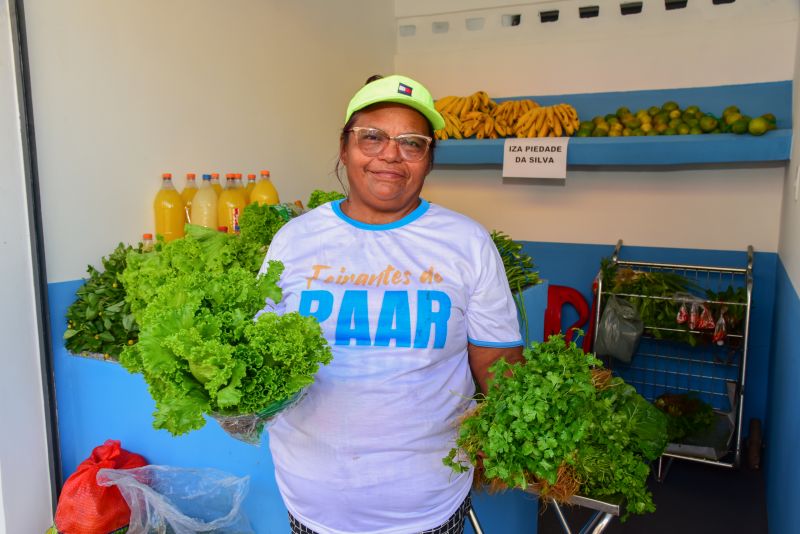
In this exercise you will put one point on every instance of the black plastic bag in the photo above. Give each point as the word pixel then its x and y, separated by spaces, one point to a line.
pixel 619 331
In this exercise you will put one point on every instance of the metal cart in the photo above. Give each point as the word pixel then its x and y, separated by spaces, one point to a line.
pixel 714 371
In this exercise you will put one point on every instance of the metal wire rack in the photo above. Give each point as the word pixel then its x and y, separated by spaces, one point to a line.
pixel 676 359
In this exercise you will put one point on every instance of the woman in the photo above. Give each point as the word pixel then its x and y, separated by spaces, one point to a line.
pixel 414 301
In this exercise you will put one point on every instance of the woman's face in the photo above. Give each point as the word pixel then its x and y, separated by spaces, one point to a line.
pixel 386 184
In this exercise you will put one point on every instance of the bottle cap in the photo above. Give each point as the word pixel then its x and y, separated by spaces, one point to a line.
pixel 166 176
pixel 147 236
pixel 206 177
pixel 222 229
pixel 239 176
pixel 264 173
pixel 214 175
pixel 228 176
pixel 191 176
pixel 251 176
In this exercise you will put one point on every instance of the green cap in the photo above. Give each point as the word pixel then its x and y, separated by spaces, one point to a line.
pixel 400 90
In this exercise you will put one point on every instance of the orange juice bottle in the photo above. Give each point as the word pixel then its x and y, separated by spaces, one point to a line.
pixel 188 193
pixel 215 183
pixel 230 205
pixel 264 192
pixel 204 204
pixel 169 210
pixel 251 183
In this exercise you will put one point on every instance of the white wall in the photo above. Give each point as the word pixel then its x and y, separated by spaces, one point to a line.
pixel 126 90
pixel 25 482
pixel 789 248
pixel 703 45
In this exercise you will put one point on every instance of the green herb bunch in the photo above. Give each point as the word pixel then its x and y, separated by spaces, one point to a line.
pixel 200 350
pixel 100 320
pixel 519 270
pixel 551 421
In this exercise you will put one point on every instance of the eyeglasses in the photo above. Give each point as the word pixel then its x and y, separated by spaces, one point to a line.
pixel 372 141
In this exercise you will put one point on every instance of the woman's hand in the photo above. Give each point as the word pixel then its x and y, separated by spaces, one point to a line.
pixel 481 358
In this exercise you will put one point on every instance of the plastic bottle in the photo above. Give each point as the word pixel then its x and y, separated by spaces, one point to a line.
pixel 215 183
pixel 188 193
pixel 147 242
pixel 251 183
pixel 204 204
pixel 169 210
pixel 264 192
pixel 231 203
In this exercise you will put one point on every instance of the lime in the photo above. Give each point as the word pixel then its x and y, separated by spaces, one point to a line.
pixel 707 123
pixel 674 123
pixel 675 114
pixel 670 131
pixel 638 132
pixel 693 122
pixel 615 133
pixel 730 118
pixel 626 132
pixel 610 116
pixel 623 111
pixel 598 119
pixel 632 123
pixel 584 133
pixel 652 132
pixel 715 131
pixel 699 115
pixel 616 127
pixel 769 117
pixel 695 130
pixel 646 127
pixel 661 118
pixel 612 119
pixel 686 116
pixel 661 128
pixel 683 129
pixel 729 110
pixel 600 132
pixel 587 125
pixel 646 119
pixel 758 126
pixel 653 111
pixel 692 109
pixel 739 126
pixel 669 106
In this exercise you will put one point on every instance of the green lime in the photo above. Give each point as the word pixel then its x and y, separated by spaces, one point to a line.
pixel 623 111
pixel 626 132
pixel 693 109
pixel 632 123
pixel 587 125
pixel 685 116
pixel 730 118
pixel 729 110
pixel 600 132
pixel 669 106
pixel 652 132
pixel 598 119
pixel 609 116
pixel 612 119
pixel 695 130
pixel 769 117
pixel 683 129
pixel 670 131
pixel 715 131
pixel 653 111
pixel 638 132
pixel 675 114
pixel 674 123
pixel 739 126
pixel 661 118
pixel 584 133
pixel 615 133
pixel 707 123
pixel 661 128
pixel 647 127
pixel 693 122
pixel 758 126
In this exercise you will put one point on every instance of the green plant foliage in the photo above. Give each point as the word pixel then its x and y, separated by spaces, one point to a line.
pixel 547 412
pixel 199 349
pixel 100 320
pixel 318 198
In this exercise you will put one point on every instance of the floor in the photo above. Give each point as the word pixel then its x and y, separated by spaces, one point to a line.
pixel 694 498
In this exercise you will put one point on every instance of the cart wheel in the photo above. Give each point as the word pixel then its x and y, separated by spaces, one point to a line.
pixel 754 444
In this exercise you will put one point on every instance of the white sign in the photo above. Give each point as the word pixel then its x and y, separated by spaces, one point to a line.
pixel 541 157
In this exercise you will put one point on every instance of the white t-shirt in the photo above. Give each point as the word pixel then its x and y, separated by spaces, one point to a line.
pixel 398 303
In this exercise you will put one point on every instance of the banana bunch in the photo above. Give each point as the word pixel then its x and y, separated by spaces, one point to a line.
pixel 507 113
pixel 551 121
pixel 458 110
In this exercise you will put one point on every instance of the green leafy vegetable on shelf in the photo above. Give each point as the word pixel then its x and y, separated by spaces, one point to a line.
pixel 686 415
pixel 100 320
pixel 259 223
pixel 319 197
pixel 559 423
pixel 199 348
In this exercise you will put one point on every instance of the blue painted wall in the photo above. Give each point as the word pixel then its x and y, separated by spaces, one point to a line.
pixel 783 435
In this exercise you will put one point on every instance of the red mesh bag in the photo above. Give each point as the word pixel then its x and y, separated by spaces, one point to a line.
pixel 84 507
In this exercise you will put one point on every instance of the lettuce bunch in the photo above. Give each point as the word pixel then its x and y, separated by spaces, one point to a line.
pixel 200 350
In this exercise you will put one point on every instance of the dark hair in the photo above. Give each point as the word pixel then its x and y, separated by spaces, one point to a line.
pixel 344 137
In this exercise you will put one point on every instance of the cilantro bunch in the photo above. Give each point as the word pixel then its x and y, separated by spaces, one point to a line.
pixel 549 422
pixel 199 349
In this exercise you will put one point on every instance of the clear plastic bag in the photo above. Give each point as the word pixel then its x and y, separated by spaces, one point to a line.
pixel 174 500
pixel 249 427
pixel 619 331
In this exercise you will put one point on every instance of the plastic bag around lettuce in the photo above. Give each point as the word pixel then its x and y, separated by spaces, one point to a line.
pixel 249 427
pixel 619 331
pixel 174 500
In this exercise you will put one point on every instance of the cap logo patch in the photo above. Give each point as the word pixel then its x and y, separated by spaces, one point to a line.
pixel 403 89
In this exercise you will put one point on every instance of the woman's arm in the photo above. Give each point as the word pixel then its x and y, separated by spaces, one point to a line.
pixel 481 358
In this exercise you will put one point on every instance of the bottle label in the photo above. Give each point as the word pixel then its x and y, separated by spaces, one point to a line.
pixel 236 220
